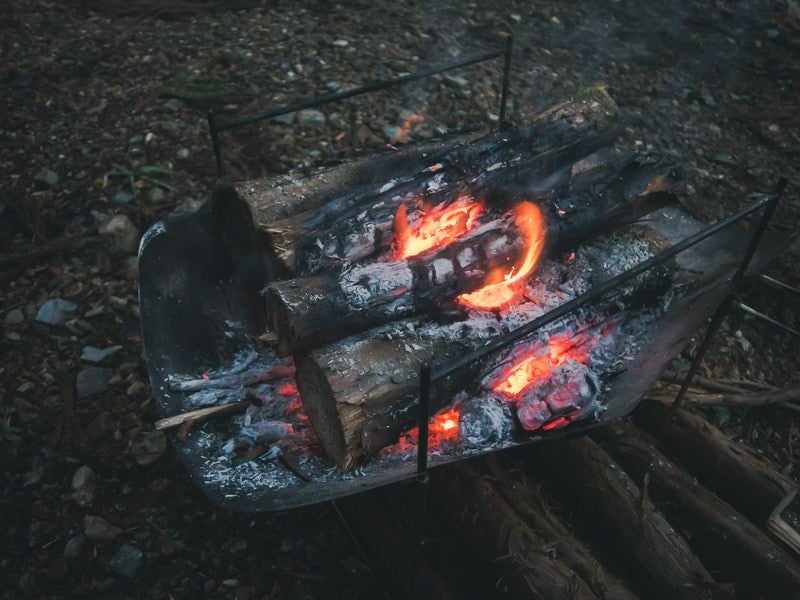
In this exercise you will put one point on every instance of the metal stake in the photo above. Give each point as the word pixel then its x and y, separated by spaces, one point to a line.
pixel 422 480
pixel 215 143
pixel 506 74
pixel 722 310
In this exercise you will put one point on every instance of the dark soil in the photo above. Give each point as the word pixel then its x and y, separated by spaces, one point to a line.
pixel 103 114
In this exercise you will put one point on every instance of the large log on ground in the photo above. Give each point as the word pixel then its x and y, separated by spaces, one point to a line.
pixel 727 467
pixel 510 479
pixel 767 566
pixel 311 311
pixel 485 521
pixel 594 487
pixel 356 222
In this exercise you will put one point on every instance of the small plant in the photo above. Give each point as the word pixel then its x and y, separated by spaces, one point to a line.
pixel 138 177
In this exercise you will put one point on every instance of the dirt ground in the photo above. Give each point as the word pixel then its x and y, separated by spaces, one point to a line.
pixel 103 132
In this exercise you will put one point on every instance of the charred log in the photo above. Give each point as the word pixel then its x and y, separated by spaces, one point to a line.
pixel 751 552
pixel 597 489
pixel 312 311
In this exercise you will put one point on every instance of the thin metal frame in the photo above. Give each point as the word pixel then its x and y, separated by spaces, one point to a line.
pixel 215 126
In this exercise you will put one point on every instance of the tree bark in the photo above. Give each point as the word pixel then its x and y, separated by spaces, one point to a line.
pixel 753 553
pixel 597 489
pixel 725 466
pixel 311 311
pixel 486 522
pixel 523 495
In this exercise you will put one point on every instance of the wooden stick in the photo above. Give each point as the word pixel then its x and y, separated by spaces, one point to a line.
pixel 747 399
pixel 201 414
pixel 244 379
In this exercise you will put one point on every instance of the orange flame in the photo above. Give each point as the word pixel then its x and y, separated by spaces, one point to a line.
pixel 438 226
pixel 538 364
pixel 504 289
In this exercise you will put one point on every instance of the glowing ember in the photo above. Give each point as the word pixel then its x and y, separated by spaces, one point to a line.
pixel 502 289
pixel 437 227
pixel 442 427
pixel 538 364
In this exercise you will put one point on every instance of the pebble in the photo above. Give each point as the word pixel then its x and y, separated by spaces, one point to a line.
pixel 91 381
pixel 286 119
pixel 55 311
pixel 183 154
pixel 75 547
pixel 122 197
pixel 173 104
pixel 310 117
pixel 15 317
pixel 136 388
pixel 149 447
pixel 46 177
pixel 26 387
pixel 341 43
pixel 127 562
pixel 156 195
pixel 26 411
pixel 98 356
pixel 99 427
pixel 83 486
pixel 98 529
pixel 456 80
pixel 121 234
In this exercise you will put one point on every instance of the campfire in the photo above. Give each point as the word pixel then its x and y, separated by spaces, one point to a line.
pixel 460 256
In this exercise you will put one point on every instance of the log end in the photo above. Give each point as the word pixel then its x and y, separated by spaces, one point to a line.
pixel 329 420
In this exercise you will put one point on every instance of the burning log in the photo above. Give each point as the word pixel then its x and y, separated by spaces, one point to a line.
pixel 357 223
pixel 311 311
pixel 594 486
pixel 767 565
pixel 487 522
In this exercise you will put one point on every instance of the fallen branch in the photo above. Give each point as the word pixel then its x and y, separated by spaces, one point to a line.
pixel 244 379
pixel 746 399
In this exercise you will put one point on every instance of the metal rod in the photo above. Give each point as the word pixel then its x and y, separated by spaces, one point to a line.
pixel 722 310
pixel 595 293
pixel 771 281
pixel 422 418
pixel 759 315
pixel 506 74
pixel 364 89
pixel 213 129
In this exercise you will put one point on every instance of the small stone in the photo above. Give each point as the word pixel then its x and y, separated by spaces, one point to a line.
pixel 183 154
pixel 26 411
pixel 391 133
pixel 173 104
pixel 456 80
pixel 120 233
pixel 75 547
pixel 79 327
pixel 127 562
pixel 91 381
pixel 15 317
pixel 83 486
pixel 333 86
pixel 311 117
pixel 285 119
pixel 98 529
pixel 99 427
pixel 122 197
pixel 136 139
pixel 136 388
pixel 26 387
pixel 46 177
pixel 148 448
pixel 156 195
pixel 98 356
pixel 55 311
pixel 772 33
pixel 13 336
pixel 341 43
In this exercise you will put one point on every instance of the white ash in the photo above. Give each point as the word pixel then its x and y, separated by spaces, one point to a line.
pixel 213 397
pixel 484 420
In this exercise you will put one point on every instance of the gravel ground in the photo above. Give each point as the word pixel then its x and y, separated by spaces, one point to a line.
pixel 103 132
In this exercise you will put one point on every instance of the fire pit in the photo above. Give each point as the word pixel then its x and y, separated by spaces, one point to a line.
pixel 511 287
